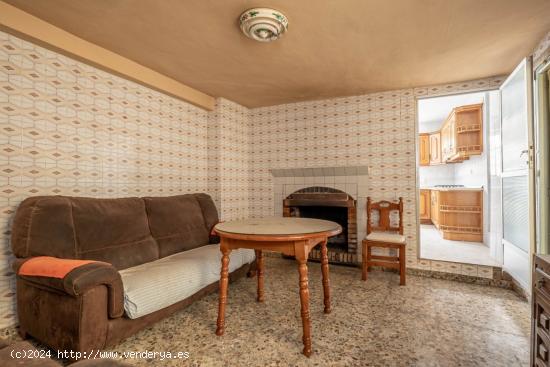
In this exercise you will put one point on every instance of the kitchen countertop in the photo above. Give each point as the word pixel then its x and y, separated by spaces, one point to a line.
pixel 467 188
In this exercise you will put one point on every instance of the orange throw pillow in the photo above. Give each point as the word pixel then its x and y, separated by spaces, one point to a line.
pixel 52 267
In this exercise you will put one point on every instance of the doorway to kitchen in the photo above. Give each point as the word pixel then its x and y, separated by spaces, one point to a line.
pixel 455 163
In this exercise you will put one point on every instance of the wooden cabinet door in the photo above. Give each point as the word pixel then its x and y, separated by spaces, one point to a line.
pixel 424 150
pixel 452 136
pixel 424 205
pixel 435 148
pixel 445 140
pixel 469 129
pixel 434 208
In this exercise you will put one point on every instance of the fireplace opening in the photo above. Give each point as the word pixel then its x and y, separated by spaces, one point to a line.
pixel 329 204
pixel 332 213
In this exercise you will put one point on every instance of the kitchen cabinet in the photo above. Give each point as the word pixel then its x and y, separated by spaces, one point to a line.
pixel 435 148
pixel 434 207
pixel 456 213
pixel 424 150
pixel 460 137
pixel 424 206
pixel 447 140
pixel 462 133
pixel 460 214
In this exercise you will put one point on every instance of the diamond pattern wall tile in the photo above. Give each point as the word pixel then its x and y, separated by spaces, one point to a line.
pixel 70 129
pixel 375 130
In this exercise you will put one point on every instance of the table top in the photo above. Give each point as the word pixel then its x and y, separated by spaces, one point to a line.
pixel 279 226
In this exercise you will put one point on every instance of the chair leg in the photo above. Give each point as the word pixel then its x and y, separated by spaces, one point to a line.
pixel 364 262
pixel 369 257
pixel 402 262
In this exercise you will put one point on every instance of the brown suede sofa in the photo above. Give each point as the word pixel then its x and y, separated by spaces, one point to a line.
pixel 84 310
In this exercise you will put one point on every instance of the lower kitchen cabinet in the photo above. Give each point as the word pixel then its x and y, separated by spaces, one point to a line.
pixel 434 207
pixel 456 213
pixel 424 206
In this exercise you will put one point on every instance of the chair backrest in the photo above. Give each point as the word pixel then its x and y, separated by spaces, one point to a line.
pixel 384 209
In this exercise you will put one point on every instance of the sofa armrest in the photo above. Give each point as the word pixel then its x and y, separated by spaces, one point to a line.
pixel 73 277
pixel 214 238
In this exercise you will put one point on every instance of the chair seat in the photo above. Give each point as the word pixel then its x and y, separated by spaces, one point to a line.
pixel 386 237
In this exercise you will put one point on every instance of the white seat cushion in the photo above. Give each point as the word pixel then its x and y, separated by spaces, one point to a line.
pixel 152 286
pixel 386 237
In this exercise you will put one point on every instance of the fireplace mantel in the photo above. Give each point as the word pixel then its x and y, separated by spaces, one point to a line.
pixel 321 171
pixel 315 199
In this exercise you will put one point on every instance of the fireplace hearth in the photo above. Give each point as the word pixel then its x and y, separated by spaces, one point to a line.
pixel 330 204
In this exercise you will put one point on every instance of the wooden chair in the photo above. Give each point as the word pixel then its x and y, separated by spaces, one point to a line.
pixel 384 235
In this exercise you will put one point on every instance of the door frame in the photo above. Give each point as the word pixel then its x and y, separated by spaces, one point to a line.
pixel 417 152
pixel 542 178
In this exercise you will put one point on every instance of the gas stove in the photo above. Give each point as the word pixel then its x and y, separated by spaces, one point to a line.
pixel 448 186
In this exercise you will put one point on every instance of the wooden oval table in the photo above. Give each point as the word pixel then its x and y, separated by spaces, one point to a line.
pixel 290 236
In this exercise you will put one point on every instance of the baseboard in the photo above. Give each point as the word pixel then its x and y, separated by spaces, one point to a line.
pixel 499 283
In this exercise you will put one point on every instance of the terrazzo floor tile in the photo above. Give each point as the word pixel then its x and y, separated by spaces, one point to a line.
pixel 429 322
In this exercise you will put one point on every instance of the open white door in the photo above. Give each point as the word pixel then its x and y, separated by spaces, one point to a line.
pixel 517 174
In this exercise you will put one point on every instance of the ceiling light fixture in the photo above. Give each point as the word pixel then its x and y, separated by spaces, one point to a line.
pixel 263 24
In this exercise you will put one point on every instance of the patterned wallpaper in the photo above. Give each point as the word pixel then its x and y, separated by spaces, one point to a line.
pixel 228 158
pixel 375 130
pixel 68 128
pixel 71 129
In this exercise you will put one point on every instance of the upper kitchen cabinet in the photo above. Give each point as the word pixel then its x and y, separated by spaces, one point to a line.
pixel 460 137
pixel 424 150
pixel 448 138
pixel 435 148
pixel 462 133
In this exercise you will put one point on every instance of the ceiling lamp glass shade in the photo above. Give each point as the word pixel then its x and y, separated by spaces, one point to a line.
pixel 263 24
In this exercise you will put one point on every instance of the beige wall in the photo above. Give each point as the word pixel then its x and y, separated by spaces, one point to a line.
pixel 228 158
pixel 70 129
pixel 67 128
pixel 375 130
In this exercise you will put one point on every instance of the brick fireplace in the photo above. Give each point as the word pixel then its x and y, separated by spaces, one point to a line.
pixel 330 204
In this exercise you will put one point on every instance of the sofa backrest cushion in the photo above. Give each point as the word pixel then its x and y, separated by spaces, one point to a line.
pixel 114 230
pixel 111 230
pixel 209 210
pixel 177 222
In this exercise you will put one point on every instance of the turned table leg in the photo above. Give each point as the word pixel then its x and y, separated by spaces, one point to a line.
pixel 224 280
pixel 252 271
pixel 304 302
pixel 260 272
pixel 326 281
